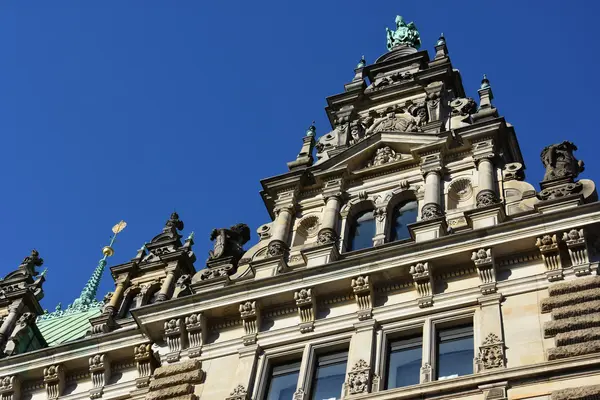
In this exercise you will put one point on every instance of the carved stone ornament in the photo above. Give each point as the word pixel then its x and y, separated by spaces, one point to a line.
pixel 174 334
pixel 491 353
pixel 384 156
pixel 548 245
pixel 405 34
pixel 513 171
pixel 54 379
pixel 239 393
pixel 431 211
pixel 389 80
pixel 327 236
pixel 30 262
pixel 463 106
pixel 423 280
pixel 306 303
pixel 426 372
pixel 559 161
pixel 486 198
pixel 173 225
pixel 10 388
pixel 575 239
pixel 217 272
pixel 228 243
pixel 486 270
pixel 559 191
pixel 250 314
pixel 299 394
pixel 277 248
pixel 363 293
pixel 146 363
pixel 357 132
pixel 359 378
pixel 393 121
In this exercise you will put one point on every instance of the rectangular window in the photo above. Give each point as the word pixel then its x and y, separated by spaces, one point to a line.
pixel 283 381
pixel 330 374
pixel 404 362
pixel 455 352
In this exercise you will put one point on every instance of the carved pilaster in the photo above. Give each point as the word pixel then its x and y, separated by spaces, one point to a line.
pixel 548 245
pixel 363 293
pixel 484 262
pixel 54 380
pixel 100 372
pixel 491 353
pixel 250 314
pixel 239 393
pixel 195 326
pixel 146 362
pixel 578 251
pixel 10 388
pixel 299 395
pixel 176 338
pixel 423 279
pixel 359 378
pixel 380 214
pixel 307 309
pixel 426 372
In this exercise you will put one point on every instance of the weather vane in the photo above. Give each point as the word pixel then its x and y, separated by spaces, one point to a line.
pixel 108 250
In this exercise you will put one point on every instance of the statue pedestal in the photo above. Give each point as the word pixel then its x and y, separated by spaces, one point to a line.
pixel 429 229
pixel 321 254
pixel 486 216
pixel 558 204
pixel 269 267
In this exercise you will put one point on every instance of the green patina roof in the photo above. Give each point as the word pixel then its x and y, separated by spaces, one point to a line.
pixel 67 327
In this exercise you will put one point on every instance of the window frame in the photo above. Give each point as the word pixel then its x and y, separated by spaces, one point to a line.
pixel 332 357
pixel 389 334
pixel 270 359
pixel 410 342
pixel 314 350
pixel 390 225
pixel 352 228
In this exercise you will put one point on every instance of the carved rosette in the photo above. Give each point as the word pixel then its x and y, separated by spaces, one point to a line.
pixel 491 353
pixel 327 236
pixel 175 337
pixel 423 280
pixel 277 248
pixel 486 198
pixel 578 251
pixel 359 378
pixel 484 262
pixel 239 393
pixel 100 372
pixel 146 362
pixel 195 327
pixel 307 306
pixel 548 245
pixel 54 380
pixel 363 293
pixel 431 211
pixel 250 314
pixel 10 388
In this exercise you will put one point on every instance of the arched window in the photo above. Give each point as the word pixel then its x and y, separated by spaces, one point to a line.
pixel 404 214
pixel 362 231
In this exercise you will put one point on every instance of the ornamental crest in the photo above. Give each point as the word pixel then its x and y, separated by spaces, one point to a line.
pixel 405 34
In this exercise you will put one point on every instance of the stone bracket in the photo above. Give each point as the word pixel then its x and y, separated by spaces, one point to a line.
pixel 251 320
pixel 423 280
pixel 146 362
pixel 486 269
pixel 363 294
pixel 100 372
pixel 550 251
pixel 54 380
pixel 577 246
pixel 10 388
pixel 176 338
pixel 196 328
pixel 307 309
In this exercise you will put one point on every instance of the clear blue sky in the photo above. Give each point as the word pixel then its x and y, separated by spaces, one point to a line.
pixel 129 109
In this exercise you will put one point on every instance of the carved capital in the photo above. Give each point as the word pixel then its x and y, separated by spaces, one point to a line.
pixel 195 326
pixel 327 236
pixel 307 307
pixel 10 388
pixel 175 336
pixel 486 198
pixel 431 211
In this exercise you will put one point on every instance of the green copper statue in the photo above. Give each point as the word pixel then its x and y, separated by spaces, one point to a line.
pixel 406 34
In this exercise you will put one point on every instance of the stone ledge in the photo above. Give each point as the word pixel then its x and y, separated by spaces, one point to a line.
pixel 548 304
pixel 173 380
pixel 578 393
pixel 580 336
pixel 170 392
pixel 551 328
pixel 588 307
pixel 175 369
pixel 574 350
pixel 574 285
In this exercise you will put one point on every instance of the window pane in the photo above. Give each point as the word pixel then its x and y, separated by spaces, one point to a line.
pixel 283 382
pixel 404 214
pixel 362 231
pixel 329 378
pixel 404 364
pixel 455 352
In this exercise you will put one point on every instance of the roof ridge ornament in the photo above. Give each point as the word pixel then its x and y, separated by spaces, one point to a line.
pixel 405 34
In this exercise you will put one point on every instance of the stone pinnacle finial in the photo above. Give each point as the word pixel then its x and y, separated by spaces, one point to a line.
pixel 362 62
pixel 485 83
pixel 442 40
pixel 312 130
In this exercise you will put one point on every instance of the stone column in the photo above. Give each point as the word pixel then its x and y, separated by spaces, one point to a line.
pixel 167 285
pixel 487 182
pixel 9 322
pixel 328 233
pixel 360 359
pixel 115 300
pixel 432 171
pixel 281 227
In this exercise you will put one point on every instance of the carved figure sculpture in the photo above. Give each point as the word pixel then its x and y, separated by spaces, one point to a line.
pixel 559 161
pixel 229 242
pixel 405 34
pixel 383 156
pixel 30 262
